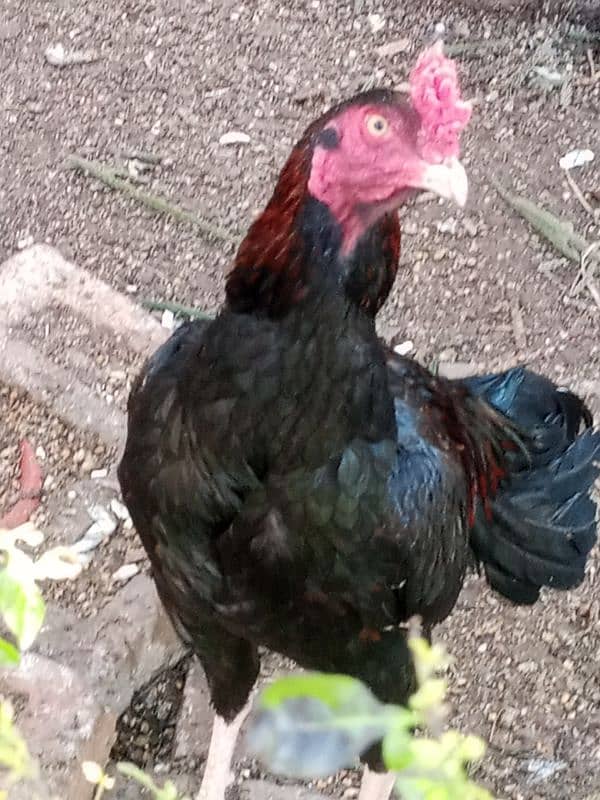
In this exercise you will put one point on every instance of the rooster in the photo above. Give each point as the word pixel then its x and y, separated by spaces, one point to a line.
pixel 299 486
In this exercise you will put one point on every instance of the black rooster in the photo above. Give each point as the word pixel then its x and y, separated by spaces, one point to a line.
pixel 297 485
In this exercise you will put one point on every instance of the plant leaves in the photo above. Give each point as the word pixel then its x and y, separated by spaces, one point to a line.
pixel 21 602
pixel 167 792
pixel 338 692
pixel 396 749
pixel 311 725
pixel 9 655
pixel 304 738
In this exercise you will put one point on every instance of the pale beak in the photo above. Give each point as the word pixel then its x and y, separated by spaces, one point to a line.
pixel 448 180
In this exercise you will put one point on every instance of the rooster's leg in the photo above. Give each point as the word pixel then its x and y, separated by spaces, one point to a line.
pixel 217 770
pixel 376 785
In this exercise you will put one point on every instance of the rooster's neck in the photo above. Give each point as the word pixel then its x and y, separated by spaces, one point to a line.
pixel 294 249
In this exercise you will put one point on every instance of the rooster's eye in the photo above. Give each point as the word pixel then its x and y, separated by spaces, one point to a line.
pixel 377 125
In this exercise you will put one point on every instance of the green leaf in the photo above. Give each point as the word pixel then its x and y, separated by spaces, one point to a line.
pixel 397 753
pixel 136 774
pixel 429 695
pixel 168 791
pixel 14 756
pixel 21 601
pixel 336 691
pixel 9 655
pixel 311 725
pixel 429 659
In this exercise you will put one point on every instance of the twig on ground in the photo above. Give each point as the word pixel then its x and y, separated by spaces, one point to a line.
pixel 475 48
pixel 584 274
pixel 518 324
pixel 571 301
pixel 141 155
pixel 583 36
pixel 590 58
pixel 109 178
pixel 177 309
pixel 579 195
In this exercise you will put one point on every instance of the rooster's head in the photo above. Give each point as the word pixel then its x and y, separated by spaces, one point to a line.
pixel 374 150
pixel 331 218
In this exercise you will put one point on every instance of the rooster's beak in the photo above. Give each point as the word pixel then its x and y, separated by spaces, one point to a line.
pixel 448 180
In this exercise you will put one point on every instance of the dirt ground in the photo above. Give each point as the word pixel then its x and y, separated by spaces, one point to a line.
pixel 169 78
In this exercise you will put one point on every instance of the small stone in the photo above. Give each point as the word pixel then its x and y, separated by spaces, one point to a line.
pixel 462 29
pixel 449 225
pixel 404 348
pixel 394 48
pixel 448 354
pixel 135 554
pixel 456 370
pixel 25 242
pixel 167 319
pixel 125 572
pixel 440 253
pixel 542 769
pixel 470 226
pixel 376 22
pixel 79 456
pixel 88 463
pixel 234 137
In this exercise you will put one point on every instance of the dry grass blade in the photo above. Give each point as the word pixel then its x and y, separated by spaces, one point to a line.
pixel 518 324
pixel 560 234
pixel 584 274
pixel 109 177
pixel 595 213
pixel 178 309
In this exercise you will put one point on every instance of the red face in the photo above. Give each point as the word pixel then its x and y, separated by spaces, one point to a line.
pixel 368 158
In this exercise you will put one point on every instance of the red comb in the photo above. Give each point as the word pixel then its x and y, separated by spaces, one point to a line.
pixel 436 97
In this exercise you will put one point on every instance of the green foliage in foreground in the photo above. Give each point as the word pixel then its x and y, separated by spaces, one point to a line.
pixel 306 725
pixel 312 725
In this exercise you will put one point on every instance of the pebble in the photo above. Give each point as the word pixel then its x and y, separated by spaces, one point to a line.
pixel 126 572
pixel 404 348
pixel 470 226
pixel 449 225
pixel 88 463
pixel 448 354
pixel 234 137
pixel 376 22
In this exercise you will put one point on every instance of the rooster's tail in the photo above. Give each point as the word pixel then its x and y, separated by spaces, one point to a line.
pixel 542 524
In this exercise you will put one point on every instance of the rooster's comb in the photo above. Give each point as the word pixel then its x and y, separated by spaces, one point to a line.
pixel 436 97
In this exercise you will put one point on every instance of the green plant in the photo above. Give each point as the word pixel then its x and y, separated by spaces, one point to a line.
pixel 22 608
pixel 310 725
pixel 95 774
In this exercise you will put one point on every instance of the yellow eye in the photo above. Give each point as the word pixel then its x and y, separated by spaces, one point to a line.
pixel 377 125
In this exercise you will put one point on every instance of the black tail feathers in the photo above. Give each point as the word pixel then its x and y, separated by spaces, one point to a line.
pixel 543 520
